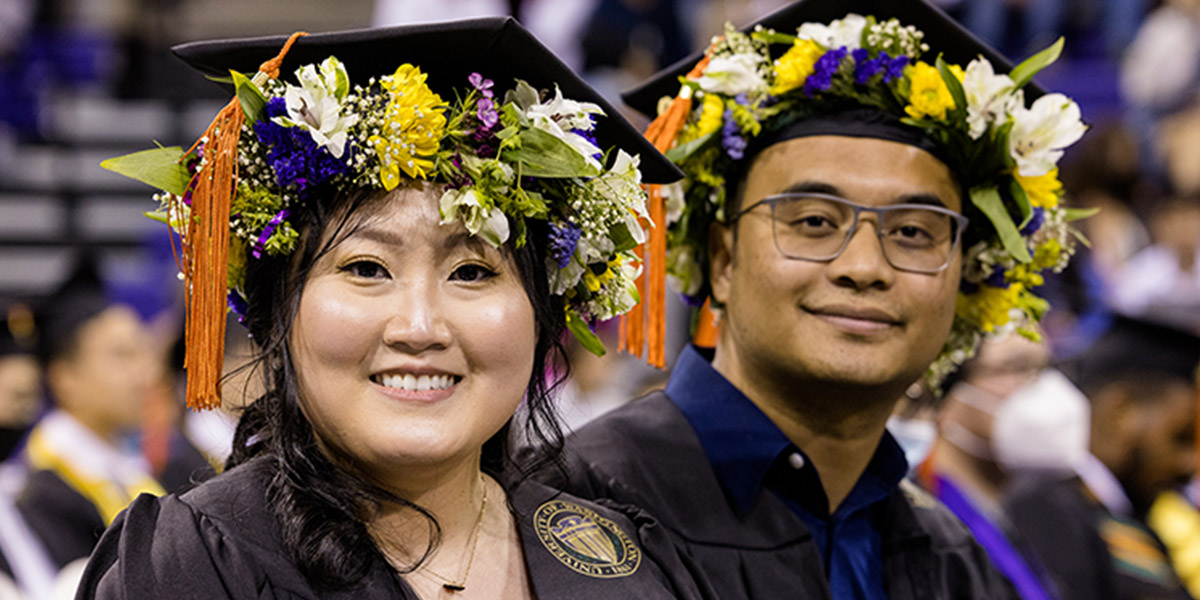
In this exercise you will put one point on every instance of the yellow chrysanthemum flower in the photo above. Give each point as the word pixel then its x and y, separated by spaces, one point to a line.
pixel 712 113
pixel 1042 190
pixel 412 127
pixel 1047 254
pixel 989 307
pixel 793 68
pixel 929 96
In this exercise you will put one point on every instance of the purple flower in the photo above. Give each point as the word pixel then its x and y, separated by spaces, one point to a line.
pixel 268 231
pixel 237 304
pixel 895 68
pixel 483 85
pixel 692 301
pixel 996 279
pixel 563 240
pixel 299 163
pixel 589 135
pixel 865 69
pixel 1035 221
pixel 823 71
pixel 485 109
pixel 731 138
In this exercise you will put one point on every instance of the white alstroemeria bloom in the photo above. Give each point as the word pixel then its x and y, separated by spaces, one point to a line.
pixel 990 97
pixel 565 278
pixel 623 183
pixel 1040 133
pixel 673 198
pixel 559 116
pixel 846 32
pixel 464 204
pixel 734 74
pixel 683 271
pixel 316 105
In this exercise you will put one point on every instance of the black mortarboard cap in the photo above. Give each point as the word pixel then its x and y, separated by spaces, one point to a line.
pixel 942 33
pixel 1134 346
pixel 498 48
pixel 77 300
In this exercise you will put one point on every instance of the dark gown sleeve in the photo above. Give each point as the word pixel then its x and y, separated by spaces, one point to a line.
pixel 161 548
pixel 67 523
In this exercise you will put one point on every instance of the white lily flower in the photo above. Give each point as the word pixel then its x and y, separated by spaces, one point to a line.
pixel 846 32
pixel 316 106
pixel 1040 133
pixel 990 97
pixel 464 204
pixel 734 74
pixel 565 278
pixel 559 116
pixel 623 183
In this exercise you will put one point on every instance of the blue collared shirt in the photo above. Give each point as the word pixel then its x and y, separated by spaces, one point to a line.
pixel 749 453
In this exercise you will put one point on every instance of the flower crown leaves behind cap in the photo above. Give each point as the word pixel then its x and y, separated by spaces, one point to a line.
pixel 1003 149
pixel 480 106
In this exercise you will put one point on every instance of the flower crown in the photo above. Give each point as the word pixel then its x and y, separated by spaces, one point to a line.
pixel 503 161
pixel 1005 152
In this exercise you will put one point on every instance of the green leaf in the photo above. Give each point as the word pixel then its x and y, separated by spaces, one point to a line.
pixel 1075 214
pixel 988 201
pixel 252 99
pixel 159 168
pixel 952 84
pixel 1022 200
pixel 544 155
pixel 1082 238
pixel 679 153
pixel 225 80
pixel 160 215
pixel 622 238
pixel 773 37
pixel 587 338
pixel 1032 65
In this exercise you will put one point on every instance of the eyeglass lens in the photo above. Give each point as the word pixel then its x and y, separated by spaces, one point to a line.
pixel 818 228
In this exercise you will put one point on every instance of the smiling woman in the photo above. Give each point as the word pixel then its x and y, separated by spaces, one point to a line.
pixel 407 267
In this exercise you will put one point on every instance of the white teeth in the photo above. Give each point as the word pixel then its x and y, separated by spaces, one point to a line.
pixel 414 383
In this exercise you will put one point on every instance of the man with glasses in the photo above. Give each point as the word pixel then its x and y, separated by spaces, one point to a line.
pixel 856 229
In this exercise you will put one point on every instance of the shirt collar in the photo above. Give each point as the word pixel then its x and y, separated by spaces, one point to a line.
pixel 742 443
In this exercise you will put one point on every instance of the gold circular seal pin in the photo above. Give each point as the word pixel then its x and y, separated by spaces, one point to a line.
pixel 584 541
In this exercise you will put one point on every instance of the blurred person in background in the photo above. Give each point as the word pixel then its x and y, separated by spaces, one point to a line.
pixel 1161 283
pixel 83 470
pixel 1175 518
pixel 1089 529
pixel 23 559
pixel 1004 412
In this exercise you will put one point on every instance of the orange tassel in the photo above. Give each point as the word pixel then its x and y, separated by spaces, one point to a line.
pixel 644 328
pixel 205 254
pixel 708 328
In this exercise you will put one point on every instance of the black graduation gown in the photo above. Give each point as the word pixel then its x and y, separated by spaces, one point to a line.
pixel 646 454
pixel 1090 553
pixel 221 541
pixel 65 521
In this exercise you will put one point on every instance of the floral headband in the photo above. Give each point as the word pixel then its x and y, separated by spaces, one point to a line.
pixel 505 160
pixel 1005 152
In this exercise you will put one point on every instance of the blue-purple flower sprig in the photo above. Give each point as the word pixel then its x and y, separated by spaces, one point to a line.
pixel 564 237
pixel 866 67
pixel 589 134
pixel 732 139
pixel 1035 221
pixel 298 162
pixel 997 279
pixel 823 71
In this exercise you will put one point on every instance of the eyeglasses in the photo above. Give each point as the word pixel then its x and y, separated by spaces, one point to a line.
pixel 818 227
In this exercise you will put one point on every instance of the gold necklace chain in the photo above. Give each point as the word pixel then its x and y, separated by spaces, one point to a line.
pixel 461 584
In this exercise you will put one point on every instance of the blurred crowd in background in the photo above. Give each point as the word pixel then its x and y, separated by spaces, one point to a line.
pixel 81 80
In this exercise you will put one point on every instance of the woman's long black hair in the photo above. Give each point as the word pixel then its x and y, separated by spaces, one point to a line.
pixel 322 503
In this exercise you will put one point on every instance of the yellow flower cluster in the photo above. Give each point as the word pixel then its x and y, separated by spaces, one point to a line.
pixel 989 307
pixel 1043 190
pixel 412 127
pixel 793 68
pixel 929 96
pixel 712 113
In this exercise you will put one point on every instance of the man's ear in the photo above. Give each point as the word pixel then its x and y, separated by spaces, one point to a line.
pixel 721 241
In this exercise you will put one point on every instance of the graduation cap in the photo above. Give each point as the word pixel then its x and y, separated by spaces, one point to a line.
pixel 1136 347
pixel 497 47
pixel 942 33
pixel 76 301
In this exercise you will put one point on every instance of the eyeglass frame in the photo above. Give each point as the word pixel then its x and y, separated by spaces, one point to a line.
pixel 774 199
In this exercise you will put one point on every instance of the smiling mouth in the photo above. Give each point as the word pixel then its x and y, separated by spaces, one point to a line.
pixel 860 321
pixel 417 383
